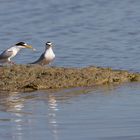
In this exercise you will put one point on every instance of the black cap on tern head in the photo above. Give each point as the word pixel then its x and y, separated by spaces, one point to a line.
pixel 21 44
pixel 49 43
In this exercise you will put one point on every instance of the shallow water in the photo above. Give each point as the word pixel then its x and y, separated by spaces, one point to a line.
pixel 105 113
pixel 92 32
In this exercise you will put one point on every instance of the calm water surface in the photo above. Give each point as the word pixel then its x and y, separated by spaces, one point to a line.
pixel 105 113
pixel 92 32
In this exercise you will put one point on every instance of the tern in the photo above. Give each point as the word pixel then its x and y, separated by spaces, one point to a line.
pixel 47 57
pixel 5 56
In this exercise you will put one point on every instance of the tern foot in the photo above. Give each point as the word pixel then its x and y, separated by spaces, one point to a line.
pixel 12 63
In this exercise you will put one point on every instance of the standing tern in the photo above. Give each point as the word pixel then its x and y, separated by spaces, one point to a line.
pixel 46 57
pixel 5 56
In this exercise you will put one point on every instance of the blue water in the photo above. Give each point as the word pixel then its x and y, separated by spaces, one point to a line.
pixel 84 32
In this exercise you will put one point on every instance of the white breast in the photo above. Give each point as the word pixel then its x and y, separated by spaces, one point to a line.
pixel 14 50
pixel 49 55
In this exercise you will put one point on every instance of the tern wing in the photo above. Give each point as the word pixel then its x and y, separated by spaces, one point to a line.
pixel 39 60
pixel 6 54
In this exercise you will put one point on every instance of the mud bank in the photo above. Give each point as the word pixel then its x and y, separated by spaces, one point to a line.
pixel 28 78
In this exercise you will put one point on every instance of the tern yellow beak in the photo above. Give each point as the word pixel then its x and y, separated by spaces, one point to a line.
pixel 29 46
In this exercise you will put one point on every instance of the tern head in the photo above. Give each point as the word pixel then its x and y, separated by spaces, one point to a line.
pixel 23 45
pixel 48 44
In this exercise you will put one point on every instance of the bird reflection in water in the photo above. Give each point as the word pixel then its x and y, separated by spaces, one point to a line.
pixel 14 105
pixel 53 108
pixel 21 117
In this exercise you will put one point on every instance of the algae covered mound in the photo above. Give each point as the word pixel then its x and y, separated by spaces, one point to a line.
pixel 25 78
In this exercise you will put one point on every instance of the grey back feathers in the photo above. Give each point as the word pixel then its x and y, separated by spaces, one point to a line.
pixel 5 54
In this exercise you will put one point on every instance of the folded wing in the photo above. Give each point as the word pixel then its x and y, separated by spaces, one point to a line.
pixel 6 54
